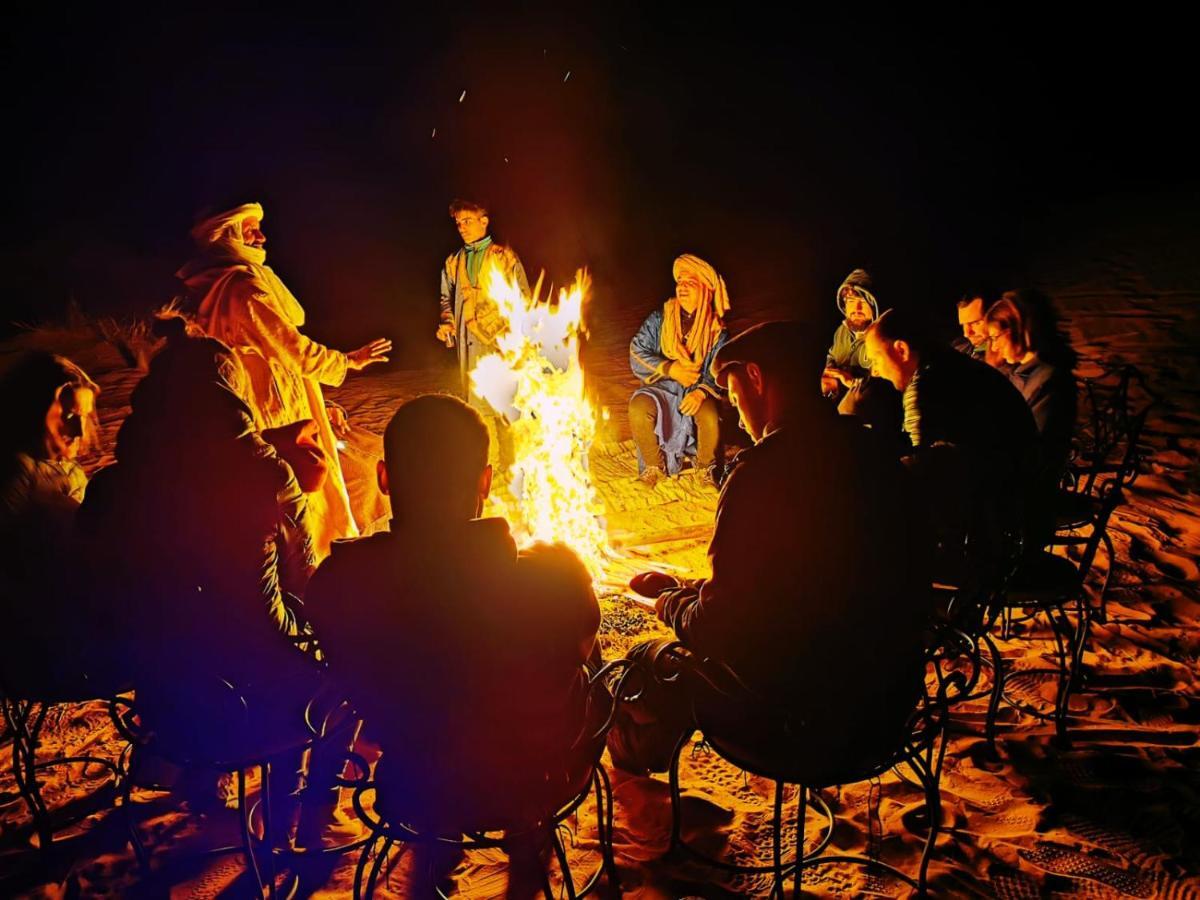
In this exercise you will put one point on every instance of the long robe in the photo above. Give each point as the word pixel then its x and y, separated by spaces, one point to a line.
pixel 676 432
pixel 460 300
pixel 247 307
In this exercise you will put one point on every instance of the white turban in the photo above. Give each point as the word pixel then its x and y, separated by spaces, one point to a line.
pixel 225 230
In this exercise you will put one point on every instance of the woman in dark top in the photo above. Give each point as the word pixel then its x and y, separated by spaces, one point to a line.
pixel 1038 360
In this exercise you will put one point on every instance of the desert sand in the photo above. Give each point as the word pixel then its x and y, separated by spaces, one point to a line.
pixel 1117 814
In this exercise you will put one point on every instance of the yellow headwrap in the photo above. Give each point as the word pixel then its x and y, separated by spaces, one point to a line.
pixel 709 319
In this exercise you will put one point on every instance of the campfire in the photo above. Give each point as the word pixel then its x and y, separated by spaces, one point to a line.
pixel 536 382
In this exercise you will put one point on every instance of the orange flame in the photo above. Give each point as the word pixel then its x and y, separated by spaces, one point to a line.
pixel 535 380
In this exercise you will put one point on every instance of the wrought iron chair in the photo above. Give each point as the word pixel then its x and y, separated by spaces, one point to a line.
pixel 961 632
pixel 25 717
pixel 213 736
pixel 1108 447
pixel 1049 585
pixel 387 831
pixel 920 746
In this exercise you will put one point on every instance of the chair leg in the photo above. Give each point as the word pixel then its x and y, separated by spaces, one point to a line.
pixel 561 852
pixel 135 839
pixel 676 795
pixel 268 835
pixel 1060 625
pixel 1102 610
pixel 801 818
pixel 247 837
pixel 380 859
pixel 361 866
pixel 604 788
pixel 998 675
pixel 777 839
pixel 933 809
pixel 1079 640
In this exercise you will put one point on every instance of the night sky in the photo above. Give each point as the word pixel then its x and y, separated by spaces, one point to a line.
pixel 941 154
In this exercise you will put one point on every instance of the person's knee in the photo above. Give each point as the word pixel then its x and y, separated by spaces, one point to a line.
pixel 709 413
pixel 642 406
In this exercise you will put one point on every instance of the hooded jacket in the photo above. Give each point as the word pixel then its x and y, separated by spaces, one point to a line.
pixel 848 350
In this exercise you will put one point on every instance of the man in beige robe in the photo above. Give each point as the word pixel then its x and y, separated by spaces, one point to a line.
pixel 242 302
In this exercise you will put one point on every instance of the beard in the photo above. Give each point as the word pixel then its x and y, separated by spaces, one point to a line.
pixel 858 324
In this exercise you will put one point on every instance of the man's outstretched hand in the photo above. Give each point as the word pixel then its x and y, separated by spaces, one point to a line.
pixel 445 333
pixel 375 352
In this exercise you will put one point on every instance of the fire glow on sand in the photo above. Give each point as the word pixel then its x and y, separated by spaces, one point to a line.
pixel 535 380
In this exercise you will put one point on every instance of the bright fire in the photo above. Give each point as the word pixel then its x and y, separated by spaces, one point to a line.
pixel 536 382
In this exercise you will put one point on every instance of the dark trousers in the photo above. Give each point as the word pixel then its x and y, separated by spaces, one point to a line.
pixel 643 415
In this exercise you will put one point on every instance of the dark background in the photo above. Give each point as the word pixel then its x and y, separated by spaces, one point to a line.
pixel 786 149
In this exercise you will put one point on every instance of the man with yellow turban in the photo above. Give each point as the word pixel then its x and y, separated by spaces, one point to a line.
pixel 674 414
pixel 241 301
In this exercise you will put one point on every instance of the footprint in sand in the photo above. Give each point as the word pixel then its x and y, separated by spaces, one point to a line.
pixel 1174 566
pixel 1059 860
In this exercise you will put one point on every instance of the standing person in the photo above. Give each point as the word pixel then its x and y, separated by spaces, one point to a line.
pixel 241 302
pixel 846 377
pixel 470 321
pixel 974 340
pixel 676 411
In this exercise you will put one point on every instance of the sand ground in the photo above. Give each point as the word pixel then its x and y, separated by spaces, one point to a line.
pixel 1115 815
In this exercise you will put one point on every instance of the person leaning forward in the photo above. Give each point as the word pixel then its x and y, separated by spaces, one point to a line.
pixel 791 606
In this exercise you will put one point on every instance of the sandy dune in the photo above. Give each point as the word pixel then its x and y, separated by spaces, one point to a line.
pixel 1116 815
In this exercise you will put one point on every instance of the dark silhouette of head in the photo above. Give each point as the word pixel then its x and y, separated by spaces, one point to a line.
pixel 896 343
pixel 435 463
pixel 189 401
pixel 769 371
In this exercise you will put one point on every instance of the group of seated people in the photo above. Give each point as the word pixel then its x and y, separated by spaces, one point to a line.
pixel 189 562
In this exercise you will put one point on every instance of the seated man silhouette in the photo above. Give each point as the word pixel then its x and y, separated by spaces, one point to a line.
pixel 196 552
pixel 816 598
pixel 973 447
pixel 464 655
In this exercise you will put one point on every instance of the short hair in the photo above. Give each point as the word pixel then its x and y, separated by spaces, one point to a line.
pixel 459 205
pixel 789 353
pixel 970 297
pixel 902 325
pixel 434 449
pixel 1009 315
